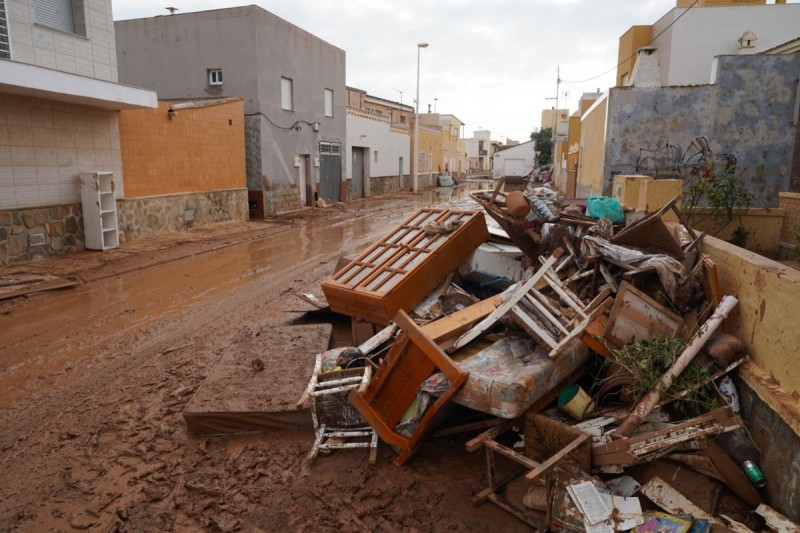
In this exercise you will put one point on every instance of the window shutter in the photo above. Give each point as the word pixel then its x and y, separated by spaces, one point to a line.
pixel 57 14
pixel 5 45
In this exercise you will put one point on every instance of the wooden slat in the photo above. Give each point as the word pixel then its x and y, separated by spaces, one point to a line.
pixel 501 310
pixel 553 460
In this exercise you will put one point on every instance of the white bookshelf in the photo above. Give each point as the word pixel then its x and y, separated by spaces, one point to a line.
pixel 100 225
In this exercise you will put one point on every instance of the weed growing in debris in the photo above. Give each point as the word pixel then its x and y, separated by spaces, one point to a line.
pixel 646 361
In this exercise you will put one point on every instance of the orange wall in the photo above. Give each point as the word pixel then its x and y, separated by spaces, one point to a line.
pixel 629 43
pixel 201 149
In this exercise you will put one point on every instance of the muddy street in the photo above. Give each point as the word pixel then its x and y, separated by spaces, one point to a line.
pixel 93 382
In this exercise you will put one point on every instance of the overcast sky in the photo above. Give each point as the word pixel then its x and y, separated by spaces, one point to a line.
pixel 491 63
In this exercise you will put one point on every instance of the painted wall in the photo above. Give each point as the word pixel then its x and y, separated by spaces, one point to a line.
pixel 199 149
pixel 45 145
pixel 430 144
pixel 687 49
pixel 591 152
pixel 91 51
pixel 365 130
pixel 767 322
pixel 744 114
pixel 254 48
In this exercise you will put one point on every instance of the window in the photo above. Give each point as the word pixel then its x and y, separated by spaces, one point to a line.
pixel 5 45
pixel 328 103
pixel 56 14
pixel 402 119
pixel 215 76
pixel 287 98
pixel 375 156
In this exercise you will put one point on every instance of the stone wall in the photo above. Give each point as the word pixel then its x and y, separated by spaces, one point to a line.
pixel 31 233
pixel 384 185
pixel 143 217
pixel 742 117
pixel 281 200
pixel 790 202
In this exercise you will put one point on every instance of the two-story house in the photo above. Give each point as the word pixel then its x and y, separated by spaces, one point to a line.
pixel 292 82
pixel 59 106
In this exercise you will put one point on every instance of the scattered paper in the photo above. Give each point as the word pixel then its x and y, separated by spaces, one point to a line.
pixel 589 502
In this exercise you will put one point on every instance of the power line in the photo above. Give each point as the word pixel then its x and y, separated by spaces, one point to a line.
pixel 633 54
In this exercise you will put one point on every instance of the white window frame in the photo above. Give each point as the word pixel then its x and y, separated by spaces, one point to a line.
pixel 328 102
pixel 287 93
pixel 215 76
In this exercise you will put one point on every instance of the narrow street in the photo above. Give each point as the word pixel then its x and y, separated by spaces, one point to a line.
pixel 94 380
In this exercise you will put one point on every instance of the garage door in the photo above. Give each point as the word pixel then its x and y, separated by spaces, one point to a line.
pixel 514 167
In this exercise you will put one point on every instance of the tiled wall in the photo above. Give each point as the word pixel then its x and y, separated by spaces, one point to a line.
pixel 199 149
pixel 90 52
pixel 45 145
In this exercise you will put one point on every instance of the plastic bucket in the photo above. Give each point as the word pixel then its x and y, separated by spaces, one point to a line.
pixel 574 401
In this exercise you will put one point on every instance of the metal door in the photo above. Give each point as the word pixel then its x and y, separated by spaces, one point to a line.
pixel 330 171
pixel 357 183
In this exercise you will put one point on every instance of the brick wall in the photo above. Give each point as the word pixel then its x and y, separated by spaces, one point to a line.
pixel 199 149
pixel 790 201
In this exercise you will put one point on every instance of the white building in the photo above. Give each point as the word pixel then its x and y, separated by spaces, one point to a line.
pixel 378 144
pixel 692 39
pixel 515 161
pixel 59 103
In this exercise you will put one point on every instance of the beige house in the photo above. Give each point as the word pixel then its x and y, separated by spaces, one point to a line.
pixel 59 106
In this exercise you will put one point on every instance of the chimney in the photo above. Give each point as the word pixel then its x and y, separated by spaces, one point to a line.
pixel 646 71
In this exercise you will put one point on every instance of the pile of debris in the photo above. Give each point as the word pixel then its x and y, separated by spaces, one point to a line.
pixel 586 349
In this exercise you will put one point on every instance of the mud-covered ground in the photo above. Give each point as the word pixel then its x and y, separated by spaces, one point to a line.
pixel 94 380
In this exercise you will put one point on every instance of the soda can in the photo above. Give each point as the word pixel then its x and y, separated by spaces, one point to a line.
pixel 754 474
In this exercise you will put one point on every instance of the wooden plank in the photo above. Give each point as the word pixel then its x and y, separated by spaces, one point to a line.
pixel 478 442
pixel 662 494
pixel 472 426
pixel 622 450
pixel 511 454
pixel 554 459
pixel 776 521
pixel 48 285
pixel 451 326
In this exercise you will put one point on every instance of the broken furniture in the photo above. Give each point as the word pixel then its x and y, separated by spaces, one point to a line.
pixel 636 316
pixel 411 360
pixel 549 445
pixel 337 424
pixel 539 315
pixel 399 271
pixel 254 386
pixel 648 446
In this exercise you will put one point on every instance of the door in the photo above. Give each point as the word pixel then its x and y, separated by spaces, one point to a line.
pixel 330 171
pixel 514 167
pixel 302 180
pixel 401 175
pixel 357 182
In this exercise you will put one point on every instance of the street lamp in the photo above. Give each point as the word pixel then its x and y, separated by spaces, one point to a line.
pixel 420 46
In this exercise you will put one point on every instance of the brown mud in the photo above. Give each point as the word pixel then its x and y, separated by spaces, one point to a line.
pixel 94 380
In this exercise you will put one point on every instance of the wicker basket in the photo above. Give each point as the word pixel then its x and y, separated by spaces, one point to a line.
pixel 334 409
